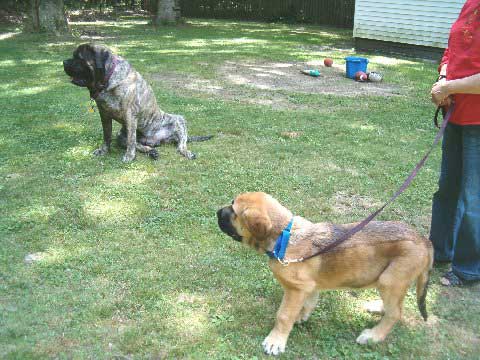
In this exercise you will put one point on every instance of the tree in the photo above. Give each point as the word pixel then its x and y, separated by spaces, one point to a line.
pixel 47 16
pixel 167 12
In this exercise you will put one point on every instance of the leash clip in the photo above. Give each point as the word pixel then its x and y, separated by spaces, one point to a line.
pixel 287 262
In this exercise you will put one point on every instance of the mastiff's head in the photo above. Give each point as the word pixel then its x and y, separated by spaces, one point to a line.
pixel 254 218
pixel 87 66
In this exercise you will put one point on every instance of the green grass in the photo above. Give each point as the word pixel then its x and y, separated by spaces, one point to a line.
pixel 133 263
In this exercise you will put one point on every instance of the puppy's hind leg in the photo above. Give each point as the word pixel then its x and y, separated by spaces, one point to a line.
pixel 393 284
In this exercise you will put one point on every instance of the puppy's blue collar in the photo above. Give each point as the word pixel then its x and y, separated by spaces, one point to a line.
pixel 281 244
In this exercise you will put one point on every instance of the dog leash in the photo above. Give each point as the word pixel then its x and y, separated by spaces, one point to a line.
pixel 373 215
pixel 435 117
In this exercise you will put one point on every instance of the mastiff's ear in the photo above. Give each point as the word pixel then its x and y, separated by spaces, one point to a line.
pixel 257 222
pixel 101 55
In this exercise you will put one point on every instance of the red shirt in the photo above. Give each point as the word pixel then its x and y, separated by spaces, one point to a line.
pixel 463 59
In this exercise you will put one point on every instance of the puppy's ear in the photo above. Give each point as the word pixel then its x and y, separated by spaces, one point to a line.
pixel 257 222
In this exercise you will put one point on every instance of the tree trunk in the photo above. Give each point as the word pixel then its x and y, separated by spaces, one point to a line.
pixel 168 12
pixel 47 16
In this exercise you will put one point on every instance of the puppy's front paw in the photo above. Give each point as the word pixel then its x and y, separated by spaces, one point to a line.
pixel 273 345
pixel 368 336
pixel 100 151
pixel 128 157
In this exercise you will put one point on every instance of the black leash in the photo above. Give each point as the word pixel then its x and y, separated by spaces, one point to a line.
pixel 402 188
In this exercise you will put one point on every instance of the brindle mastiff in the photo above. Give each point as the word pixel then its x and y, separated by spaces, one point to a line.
pixel 386 255
pixel 122 94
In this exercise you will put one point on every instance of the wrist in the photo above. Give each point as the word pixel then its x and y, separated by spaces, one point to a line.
pixel 448 87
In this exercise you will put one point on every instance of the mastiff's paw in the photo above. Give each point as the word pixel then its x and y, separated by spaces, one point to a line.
pixel 273 345
pixel 191 156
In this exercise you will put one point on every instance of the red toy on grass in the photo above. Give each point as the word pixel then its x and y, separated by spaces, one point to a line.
pixel 328 62
pixel 360 76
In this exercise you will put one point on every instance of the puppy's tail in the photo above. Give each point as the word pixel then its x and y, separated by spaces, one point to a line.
pixel 199 138
pixel 422 285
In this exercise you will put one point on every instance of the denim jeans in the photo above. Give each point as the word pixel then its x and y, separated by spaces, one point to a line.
pixel 455 228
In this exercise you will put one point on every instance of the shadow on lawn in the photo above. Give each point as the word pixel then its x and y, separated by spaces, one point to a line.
pixel 455 317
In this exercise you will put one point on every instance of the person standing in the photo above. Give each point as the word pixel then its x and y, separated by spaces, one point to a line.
pixel 455 226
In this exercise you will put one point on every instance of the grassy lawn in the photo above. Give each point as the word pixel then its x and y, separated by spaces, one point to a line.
pixel 132 262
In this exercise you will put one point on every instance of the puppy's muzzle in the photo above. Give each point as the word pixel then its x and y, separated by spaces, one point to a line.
pixel 224 217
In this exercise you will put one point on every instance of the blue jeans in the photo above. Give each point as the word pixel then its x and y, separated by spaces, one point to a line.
pixel 455 228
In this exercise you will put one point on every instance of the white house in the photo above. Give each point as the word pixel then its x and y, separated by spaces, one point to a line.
pixel 423 25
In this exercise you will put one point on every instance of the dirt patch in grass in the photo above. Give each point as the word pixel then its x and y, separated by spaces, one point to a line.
pixel 271 84
pixel 221 89
pixel 288 77
pixel 345 203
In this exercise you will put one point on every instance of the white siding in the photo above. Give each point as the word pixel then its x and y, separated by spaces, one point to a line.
pixel 414 22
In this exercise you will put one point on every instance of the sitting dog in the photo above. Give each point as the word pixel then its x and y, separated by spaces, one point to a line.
pixel 386 255
pixel 123 95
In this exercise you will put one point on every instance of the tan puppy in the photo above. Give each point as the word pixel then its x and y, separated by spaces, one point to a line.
pixel 386 255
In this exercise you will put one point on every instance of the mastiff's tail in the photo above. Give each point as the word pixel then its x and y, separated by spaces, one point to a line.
pixel 199 138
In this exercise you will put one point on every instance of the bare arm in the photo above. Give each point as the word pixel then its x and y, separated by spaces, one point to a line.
pixel 443 70
pixel 467 85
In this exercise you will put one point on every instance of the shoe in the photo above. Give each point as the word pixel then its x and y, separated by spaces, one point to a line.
pixel 450 279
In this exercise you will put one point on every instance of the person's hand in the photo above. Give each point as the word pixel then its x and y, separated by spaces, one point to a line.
pixel 447 102
pixel 440 93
